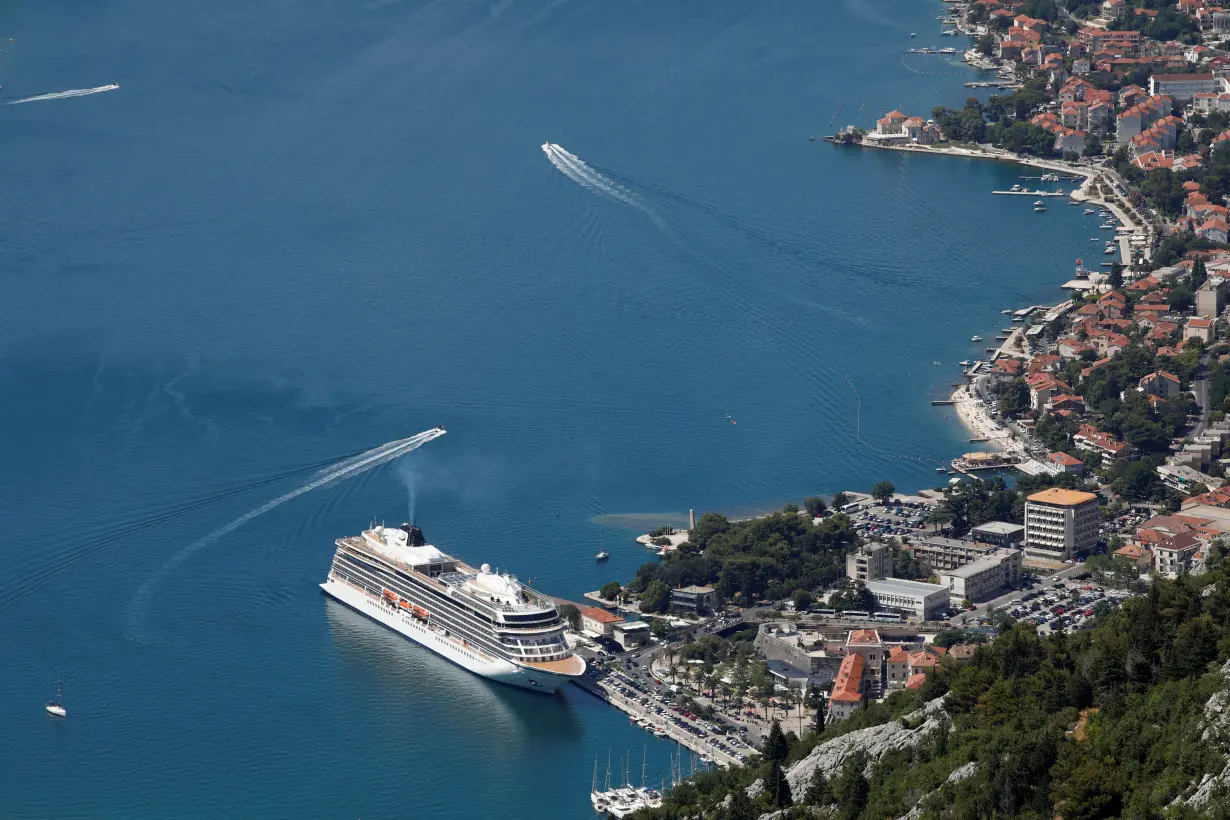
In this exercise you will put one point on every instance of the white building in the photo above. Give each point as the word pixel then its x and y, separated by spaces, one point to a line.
pixel 913 598
pixel 631 634
pixel 1060 524
pixel 870 562
pixel 983 578
pixel 1184 87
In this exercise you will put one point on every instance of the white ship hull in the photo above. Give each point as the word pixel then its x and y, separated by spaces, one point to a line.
pixel 449 648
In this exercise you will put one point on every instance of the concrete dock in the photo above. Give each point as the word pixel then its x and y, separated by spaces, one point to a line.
pixel 700 745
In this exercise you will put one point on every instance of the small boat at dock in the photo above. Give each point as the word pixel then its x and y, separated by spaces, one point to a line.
pixel 1090 211
pixel 1006 311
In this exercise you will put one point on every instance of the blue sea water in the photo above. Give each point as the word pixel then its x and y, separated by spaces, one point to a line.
pixel 301 229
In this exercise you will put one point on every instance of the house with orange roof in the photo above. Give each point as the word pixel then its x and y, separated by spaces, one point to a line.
pixel 1199 327
pixel 1095 366
pixel 1045 362
pixel 847 694
pixel 867 643
pixel 1065 401
pixel 598 622
pixel 1140 556
pixel 897 668
pixel 1041 387
pixel 1062 463
pixel 1007 367
pixel 1092 439
pixel 916 681
pixel 1160 383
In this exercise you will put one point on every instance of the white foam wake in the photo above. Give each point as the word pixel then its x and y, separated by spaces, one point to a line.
pixel 64 95
pixel 575 169
pixel 338 472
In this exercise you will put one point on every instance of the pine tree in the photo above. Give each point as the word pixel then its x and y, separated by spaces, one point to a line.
pixel 741 807
pixel 821 707
pixel 776 747
pixel 819 792
pixel 777 786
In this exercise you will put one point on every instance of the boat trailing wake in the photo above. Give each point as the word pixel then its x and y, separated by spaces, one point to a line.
pixel 64 95
pixel 339 472
pixel 595 182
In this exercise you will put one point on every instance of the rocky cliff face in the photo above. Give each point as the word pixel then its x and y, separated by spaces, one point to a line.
pixel 873 741
pixel 1217 733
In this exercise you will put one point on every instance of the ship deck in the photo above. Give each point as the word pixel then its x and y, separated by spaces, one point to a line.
pixel 571 665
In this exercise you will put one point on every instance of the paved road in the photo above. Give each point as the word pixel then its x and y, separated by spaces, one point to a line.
pixel 1201 388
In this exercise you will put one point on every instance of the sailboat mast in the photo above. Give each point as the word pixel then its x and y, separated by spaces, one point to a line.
pixel 644 755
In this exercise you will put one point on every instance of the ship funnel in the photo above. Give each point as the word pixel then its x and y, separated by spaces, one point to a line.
pixel 414 535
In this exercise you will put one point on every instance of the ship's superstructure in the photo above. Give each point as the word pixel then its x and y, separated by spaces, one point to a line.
pixel 483 620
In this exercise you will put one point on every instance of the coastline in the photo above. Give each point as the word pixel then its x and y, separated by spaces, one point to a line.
pixel 971 412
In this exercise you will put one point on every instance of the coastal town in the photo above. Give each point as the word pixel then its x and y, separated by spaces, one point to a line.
pixel 1101 423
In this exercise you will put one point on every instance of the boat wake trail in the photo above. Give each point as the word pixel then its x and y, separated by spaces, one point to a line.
pixel 64 95
pixel 584 175
pixel 339 472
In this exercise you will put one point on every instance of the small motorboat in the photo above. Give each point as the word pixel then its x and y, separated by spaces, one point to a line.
pixel 1006 311
pixel 940 470
pixel 56 707
pixel 1090 212
pixel 964 363
pixel 913 34
pixel 602 556
pixel 975 338
pixel 1039 208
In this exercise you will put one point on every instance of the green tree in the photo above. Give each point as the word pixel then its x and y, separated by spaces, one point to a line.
pixel 820 704
pixel 776 747
pixel 777 787
pixel 656 597
pixel 883 491
pixel 802 599
pixel 815 506
pixel 852 788
pixel 610 591
pixel 741 807
pixel 570 614
pixel 819 792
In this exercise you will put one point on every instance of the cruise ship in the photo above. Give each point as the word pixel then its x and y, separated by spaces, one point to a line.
pixel 482 620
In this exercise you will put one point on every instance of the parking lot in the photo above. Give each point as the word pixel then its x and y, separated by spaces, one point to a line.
pixel 1059 606
pixel 895 518
pixel 652 705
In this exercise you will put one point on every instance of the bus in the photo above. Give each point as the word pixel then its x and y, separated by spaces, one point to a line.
pixel 855 615
pixel 823 613
pixel 892 617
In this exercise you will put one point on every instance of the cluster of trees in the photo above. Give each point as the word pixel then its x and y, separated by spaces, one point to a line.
pixel 966 125
pixel 1168 24
pixel 763 558
pixel 1105 723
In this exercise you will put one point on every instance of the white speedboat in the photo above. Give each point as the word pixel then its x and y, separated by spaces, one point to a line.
pixel 1089 211
pixel 964 363
pixel 56 707
pixel 602 556
pixel 975 338
pixel 1006 311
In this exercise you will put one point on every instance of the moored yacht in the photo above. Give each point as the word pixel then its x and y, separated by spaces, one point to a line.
pixel 480 619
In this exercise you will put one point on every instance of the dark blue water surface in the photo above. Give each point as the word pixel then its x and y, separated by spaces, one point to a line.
pixel 301 229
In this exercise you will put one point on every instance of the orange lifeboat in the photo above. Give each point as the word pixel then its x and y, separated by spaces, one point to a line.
pixel 403 603
pixel 389 596
pixel 419 611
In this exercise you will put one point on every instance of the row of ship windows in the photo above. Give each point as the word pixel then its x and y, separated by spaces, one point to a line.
pixel 528 647
pixel 375 586
pixel 382 575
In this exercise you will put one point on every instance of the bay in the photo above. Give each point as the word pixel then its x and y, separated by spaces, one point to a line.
pixel 300 229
